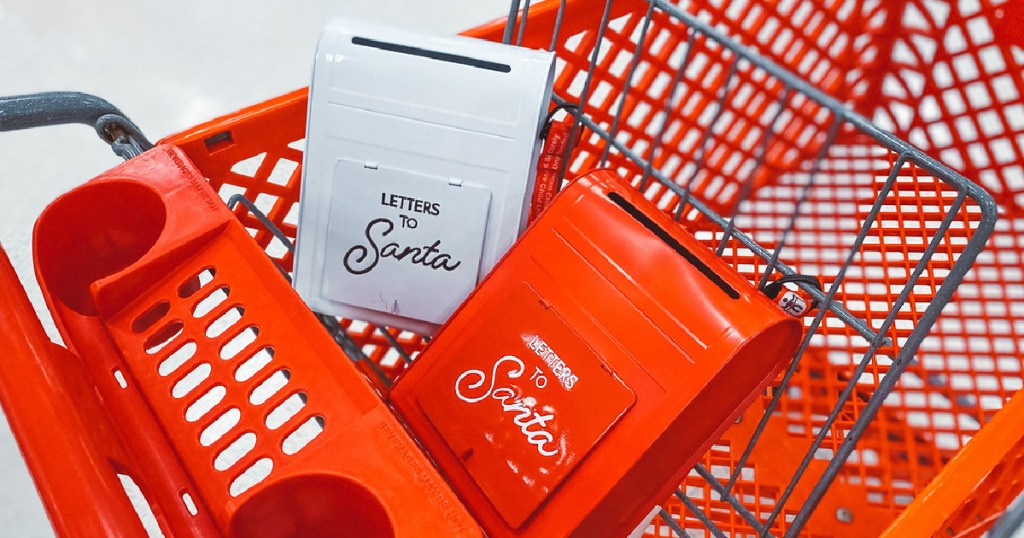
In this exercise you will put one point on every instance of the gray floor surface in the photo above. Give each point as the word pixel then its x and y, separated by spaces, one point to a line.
pixel 168 65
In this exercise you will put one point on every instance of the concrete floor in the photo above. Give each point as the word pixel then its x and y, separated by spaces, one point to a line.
pixel 168 65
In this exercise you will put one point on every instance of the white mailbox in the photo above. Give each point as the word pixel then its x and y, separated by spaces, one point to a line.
pixel 420 159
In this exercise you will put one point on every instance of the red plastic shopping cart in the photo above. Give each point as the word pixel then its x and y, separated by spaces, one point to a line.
pixel 763 127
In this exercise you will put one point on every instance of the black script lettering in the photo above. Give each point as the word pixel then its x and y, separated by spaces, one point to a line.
pixel 361 259
pixel 362 252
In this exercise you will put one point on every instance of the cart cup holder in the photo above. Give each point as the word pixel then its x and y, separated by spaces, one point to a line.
pixel 93 232
pixel 310 506
pixel 132 265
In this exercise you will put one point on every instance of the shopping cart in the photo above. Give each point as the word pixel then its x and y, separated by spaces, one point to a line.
pixel 751 122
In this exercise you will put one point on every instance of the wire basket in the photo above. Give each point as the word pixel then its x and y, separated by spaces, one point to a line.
pixel 769 167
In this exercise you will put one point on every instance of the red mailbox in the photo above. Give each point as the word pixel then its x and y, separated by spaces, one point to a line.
pixel 581 381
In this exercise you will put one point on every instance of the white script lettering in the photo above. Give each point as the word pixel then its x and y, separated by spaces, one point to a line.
pixel 531 424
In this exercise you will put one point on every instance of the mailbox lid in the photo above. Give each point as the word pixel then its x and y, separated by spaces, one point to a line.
pixel 522 402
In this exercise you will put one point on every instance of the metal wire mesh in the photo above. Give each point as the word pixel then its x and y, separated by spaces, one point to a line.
pixel 747 150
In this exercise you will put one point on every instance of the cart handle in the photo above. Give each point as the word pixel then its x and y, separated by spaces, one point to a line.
pixel 57 108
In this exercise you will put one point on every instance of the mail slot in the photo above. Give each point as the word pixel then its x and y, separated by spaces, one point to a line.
pixel 581 381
